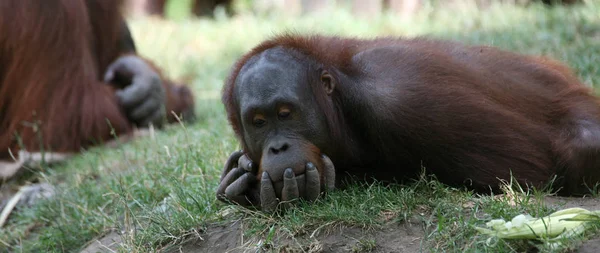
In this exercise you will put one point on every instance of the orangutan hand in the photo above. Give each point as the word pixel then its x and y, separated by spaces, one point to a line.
pixel 239 181
pixel 142 95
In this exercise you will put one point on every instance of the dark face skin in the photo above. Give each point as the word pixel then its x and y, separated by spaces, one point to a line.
pixel 282 125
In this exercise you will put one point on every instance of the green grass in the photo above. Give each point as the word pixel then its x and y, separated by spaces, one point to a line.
pixel 161 189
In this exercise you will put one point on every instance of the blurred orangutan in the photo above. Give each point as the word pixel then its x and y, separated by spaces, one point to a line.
pixel 70 78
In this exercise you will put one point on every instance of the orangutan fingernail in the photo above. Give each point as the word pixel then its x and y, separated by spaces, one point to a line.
pixel 310 166
pixel 289 173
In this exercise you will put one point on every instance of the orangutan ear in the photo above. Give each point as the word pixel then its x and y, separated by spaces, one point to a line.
pixel 328 82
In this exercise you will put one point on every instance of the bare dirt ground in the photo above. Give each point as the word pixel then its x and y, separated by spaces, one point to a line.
pixel 406 237
pixel 106 243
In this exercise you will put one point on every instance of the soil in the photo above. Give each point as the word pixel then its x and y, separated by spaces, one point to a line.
pixel 394 238
pixel 106 243
pixel 406 237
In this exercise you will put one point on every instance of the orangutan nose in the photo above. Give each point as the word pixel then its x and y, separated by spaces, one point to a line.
pixel 279 147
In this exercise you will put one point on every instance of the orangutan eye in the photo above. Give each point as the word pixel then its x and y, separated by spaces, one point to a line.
pixel 284 113
pixel 259 121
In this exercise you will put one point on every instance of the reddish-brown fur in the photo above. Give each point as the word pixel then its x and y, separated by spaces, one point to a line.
pixel 542 120
pixel 53 55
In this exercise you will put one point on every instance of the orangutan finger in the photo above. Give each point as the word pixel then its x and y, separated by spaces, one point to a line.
pixel 134 95
pixel 290 186
pixel 245 163
pixel 230 163
pixel 240 185
pixel 268 200
pixel 128 66
pixel 329 173
pixel 234 174
pixel 312 185
pixel 156 118
pixel 145 109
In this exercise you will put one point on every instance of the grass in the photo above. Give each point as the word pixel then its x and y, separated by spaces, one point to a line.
pixel 160 190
